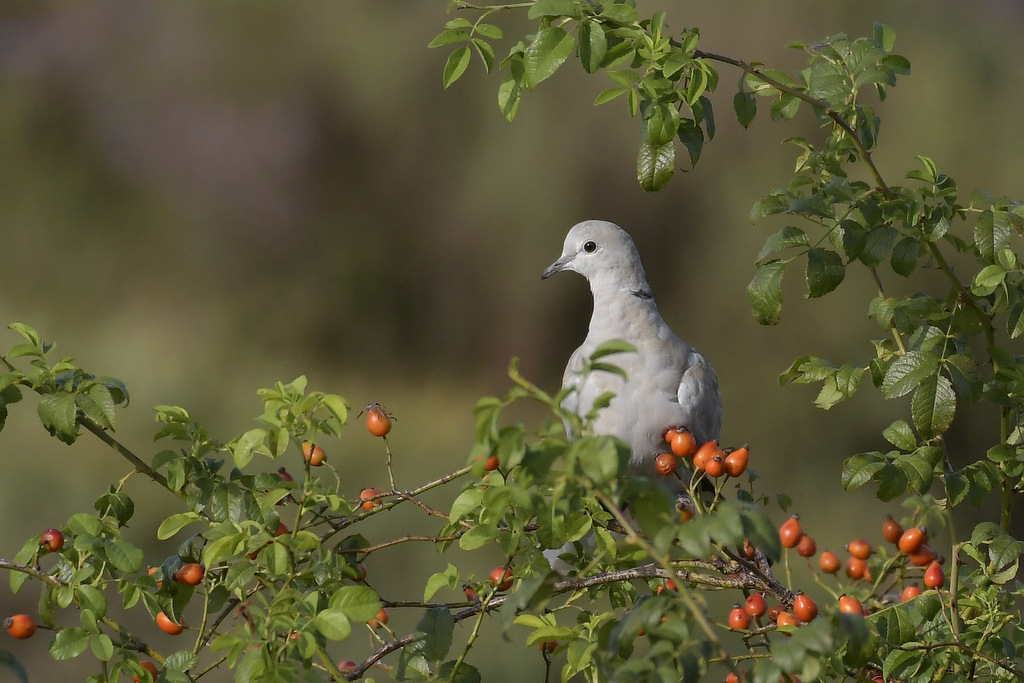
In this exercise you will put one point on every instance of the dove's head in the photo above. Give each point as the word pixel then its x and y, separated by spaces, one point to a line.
pixel 603 253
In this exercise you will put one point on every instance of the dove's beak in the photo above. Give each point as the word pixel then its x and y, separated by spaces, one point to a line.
pixel 559 265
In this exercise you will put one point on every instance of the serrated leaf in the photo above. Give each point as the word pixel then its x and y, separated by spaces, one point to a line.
pixel 456 65
pixel 655 163
pixel 433 636
pixel 486 52
pixel 593 46
pixel 825 271
pixel 765 292
pixel 905 255
pixel 933 406
pixel 861 468
pixel 900 435
pixel 906 372
pixel 988 280
pixel 511 89
pixel 57 413
pixel 69 643
pixel 786 238
pixel 547 51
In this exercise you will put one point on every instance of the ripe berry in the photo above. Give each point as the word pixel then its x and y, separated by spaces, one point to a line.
pixel 774 612
pixel 891 530
pixel 470 593
pixel 829 562
pixel 360 573
pixel 369 498
pixel 923 557
pixel 909 592
pixel 283 473
pixel 732 678
pixel 20 626
pixel 681 441
pixel 148 666
pixel 704 453
pixel 282 530
pixel 346 666
pixel 807 547
pixel 547 645
pixel 850 605
pixel 791 532
pixel 492 463
pixel 912 540
pixel 168 626
pixel 786 619
pixel 738 618
pixel 736 462
pixel 749 551
pixel 190 574
pixel 377 420
pixel 934 577
pixel 856 568
pixel 313 454
pixel 860 549
pixel 380 620
pixel 665 464
pixel 715 467
pixel 501 577
pixel 805 608
pixel 756 605
pixel 51 540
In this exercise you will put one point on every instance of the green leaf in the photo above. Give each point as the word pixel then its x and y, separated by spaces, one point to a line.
pixel 593 45
pixel 655 163
pixel 609 95
pixel 433 636
pixel 456 65
pixel 825 271
pixel 478 536
pixel 57 413
pixel 334 623
pixel 900 435
pixel 905 255
pixel 765 292
pixel 786 238
pixel 933 406
pixel 358 603
pixel 692 137
pixel 988 280
pixel 861 468
pixel 550 47
pixel 611 347
pixel 92 599
pixel 449 577
pixel 69 643
pixel 448 37
pixel 243 448
pixel 554 8
pixel 511 89
pixel 98 405
pixel 486 52
pixel 991 236
pixel 905 373
pixel 877 245
pixel 745 106
pixel 175 523
pixel 602 458
pixel 489 31
pixel 885 36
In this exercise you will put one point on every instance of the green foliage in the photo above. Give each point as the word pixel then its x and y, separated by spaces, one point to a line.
pixel 282 554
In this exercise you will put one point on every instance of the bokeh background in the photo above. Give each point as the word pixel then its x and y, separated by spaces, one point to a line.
pixel 203 199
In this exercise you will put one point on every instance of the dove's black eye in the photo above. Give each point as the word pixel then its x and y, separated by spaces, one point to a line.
pixel 590 246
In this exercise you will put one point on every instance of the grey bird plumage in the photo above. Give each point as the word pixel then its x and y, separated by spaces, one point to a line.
pixel 668 382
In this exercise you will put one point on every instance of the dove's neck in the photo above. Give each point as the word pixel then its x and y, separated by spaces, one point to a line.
pixel 627 305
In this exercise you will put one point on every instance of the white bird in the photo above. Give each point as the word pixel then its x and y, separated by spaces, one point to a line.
pixel 668 383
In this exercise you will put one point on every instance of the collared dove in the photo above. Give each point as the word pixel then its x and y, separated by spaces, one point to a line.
pixel 668 382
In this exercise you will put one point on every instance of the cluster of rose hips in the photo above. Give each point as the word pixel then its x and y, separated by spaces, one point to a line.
pixel 912 542
pixel 708 458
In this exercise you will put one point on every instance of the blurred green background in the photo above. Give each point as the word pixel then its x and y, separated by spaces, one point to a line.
pixel 203 199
